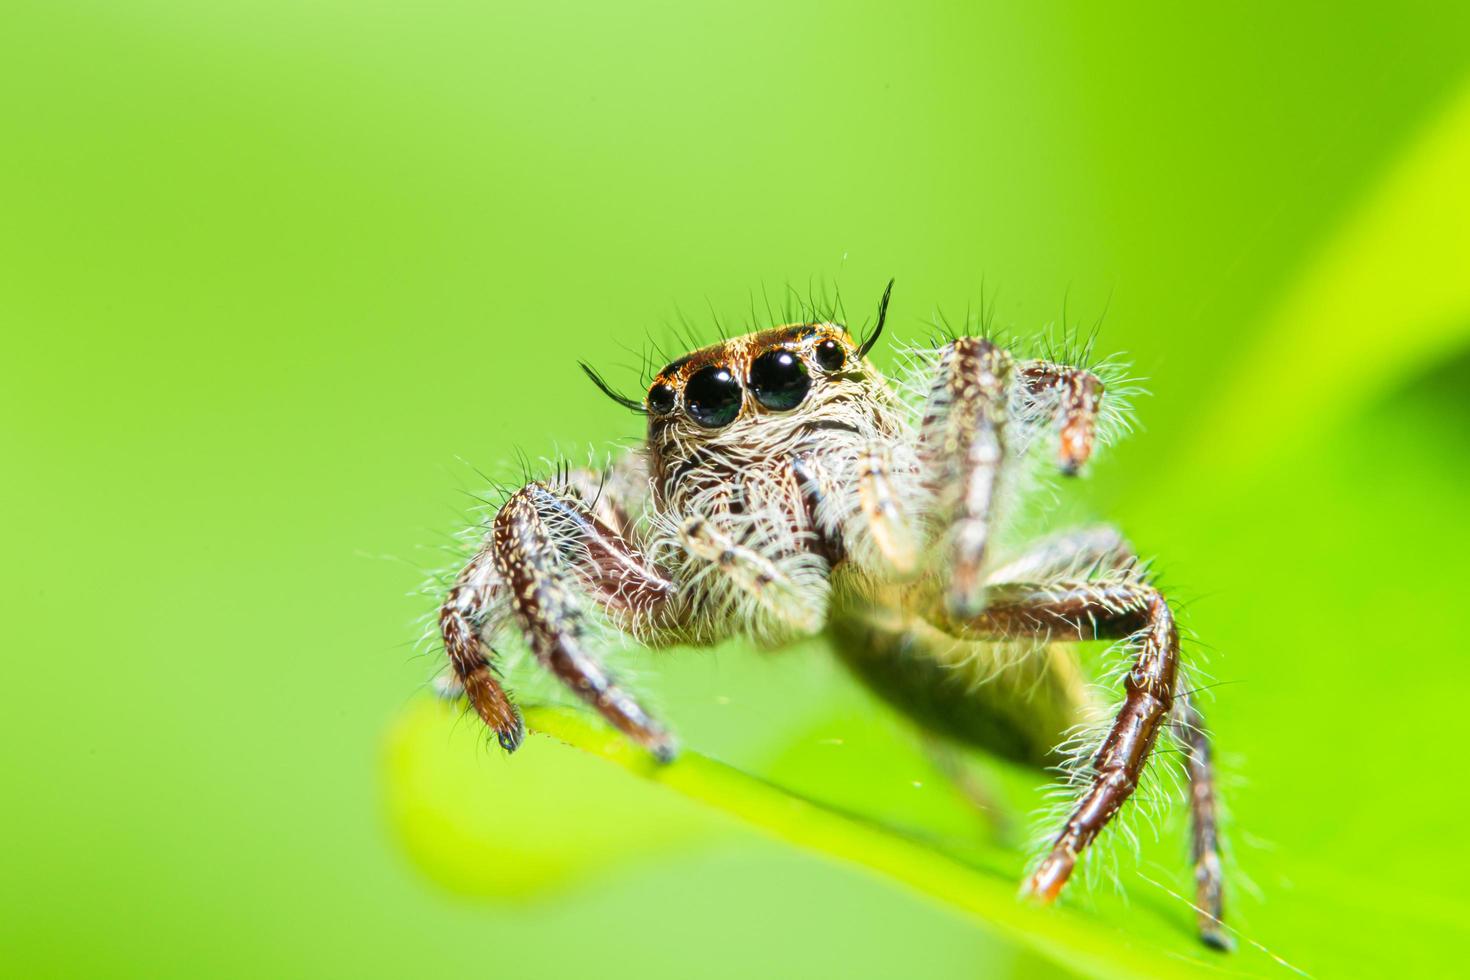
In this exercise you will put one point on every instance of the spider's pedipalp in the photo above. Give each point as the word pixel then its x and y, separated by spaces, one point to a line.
pixel 864 500
pixel 818 496
pixel 883 514
pixel 754 575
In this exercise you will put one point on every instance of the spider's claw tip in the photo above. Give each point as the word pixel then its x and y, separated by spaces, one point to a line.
pixel 664 751
pixel 1031 895
pixel 1069 467
pixel 510 739
pixel 1046 883
pixel 1214 937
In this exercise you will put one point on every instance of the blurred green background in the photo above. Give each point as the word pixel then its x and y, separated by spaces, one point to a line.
pixel 276 277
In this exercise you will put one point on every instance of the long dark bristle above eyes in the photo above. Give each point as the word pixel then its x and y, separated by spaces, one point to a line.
pixel 607 390
pixel 882 316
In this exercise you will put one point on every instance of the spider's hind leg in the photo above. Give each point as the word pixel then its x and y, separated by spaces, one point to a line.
pixel 1086 611
pixel 1102 551
pixel 1152 703
pixel 1188 728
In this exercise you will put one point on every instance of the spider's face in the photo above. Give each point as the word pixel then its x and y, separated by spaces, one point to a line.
pixel 755 382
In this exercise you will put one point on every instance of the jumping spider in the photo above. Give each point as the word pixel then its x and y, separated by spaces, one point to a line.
pixel 786 489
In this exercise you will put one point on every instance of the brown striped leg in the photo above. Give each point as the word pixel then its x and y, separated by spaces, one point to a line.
pixel 551 553
pixel 461 620
pixel 963 443
pixel 1104 549
pixel 1083 612
pixel 1078 393
pixel 1209 901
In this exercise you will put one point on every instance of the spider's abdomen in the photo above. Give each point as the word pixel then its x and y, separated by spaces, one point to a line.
pixel 1013 700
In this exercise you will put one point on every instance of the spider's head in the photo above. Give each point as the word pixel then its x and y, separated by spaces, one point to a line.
pixel 764 397
pixel 753 385
pixel 782 372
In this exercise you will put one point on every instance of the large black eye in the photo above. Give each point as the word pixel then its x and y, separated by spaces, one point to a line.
pixel 660 399
pixel 778 379
pixel 713 397
pixel 829 355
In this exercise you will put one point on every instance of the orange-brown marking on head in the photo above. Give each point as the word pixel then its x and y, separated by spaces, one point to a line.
pixel 722 375
pixel 737 353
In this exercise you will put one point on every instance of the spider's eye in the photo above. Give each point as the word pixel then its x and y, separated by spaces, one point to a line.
pixel 660 399
pixel 713 397
pixel 778 379
pixel 829 355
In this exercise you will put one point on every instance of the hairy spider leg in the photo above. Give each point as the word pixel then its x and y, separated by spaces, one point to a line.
pixel 545 583
pixel 1072 552
pixel 1188 727
pixel 1103 548
pixel 963 444
pixel 1087 611
pixel 1078 392
pixel 461 620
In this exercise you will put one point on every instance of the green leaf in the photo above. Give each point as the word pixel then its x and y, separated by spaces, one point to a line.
pixel 487 826
pixel 467 843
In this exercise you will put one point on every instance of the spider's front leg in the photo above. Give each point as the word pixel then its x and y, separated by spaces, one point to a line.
pixel 962 439
pixel 461 623
pixel 549 552
pixel 962 445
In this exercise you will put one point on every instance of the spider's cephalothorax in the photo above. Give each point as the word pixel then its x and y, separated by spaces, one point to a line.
pixel 787 489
